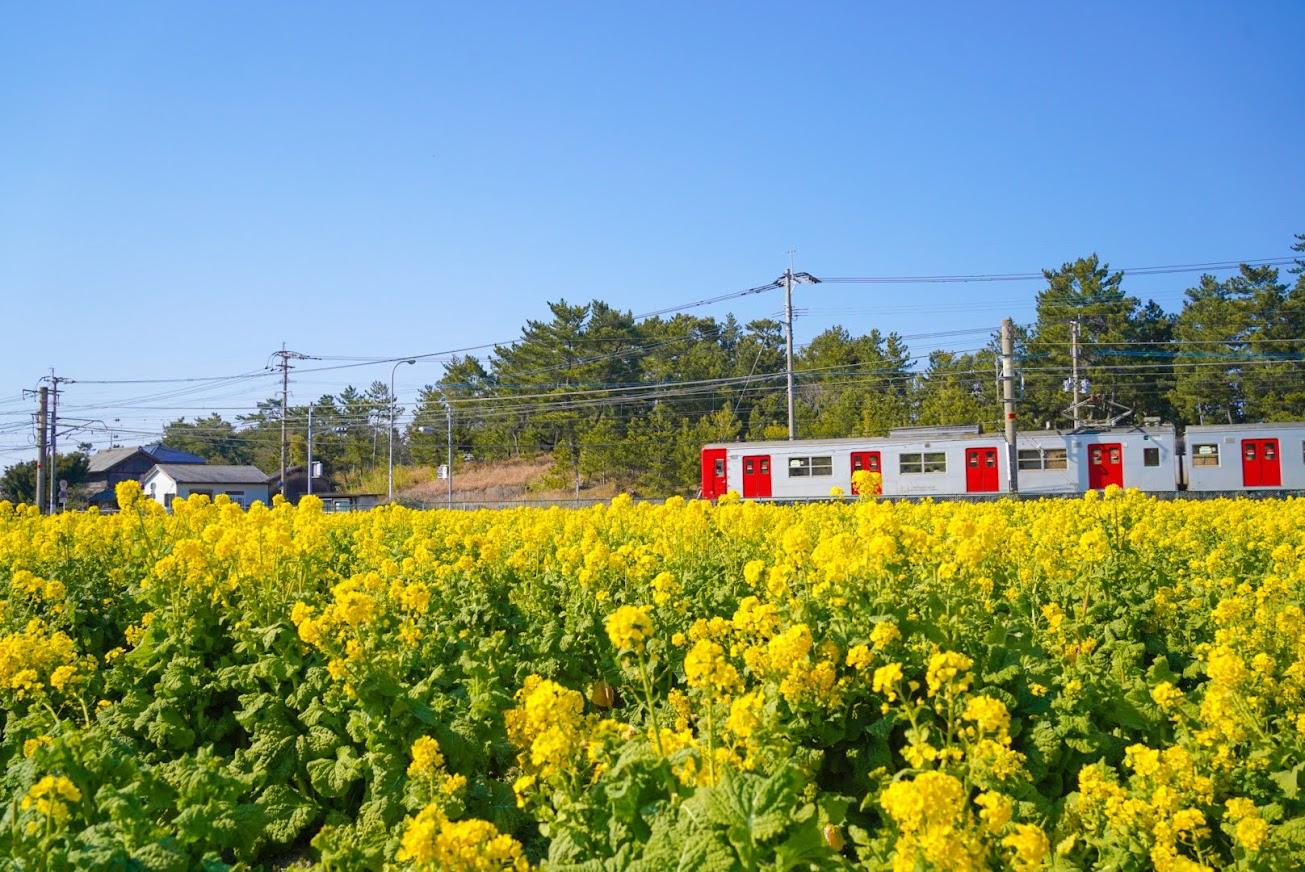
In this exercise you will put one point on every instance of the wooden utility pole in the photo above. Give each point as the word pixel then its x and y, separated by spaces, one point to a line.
pixel 286 357
pixel 1008 400
pixel 42 411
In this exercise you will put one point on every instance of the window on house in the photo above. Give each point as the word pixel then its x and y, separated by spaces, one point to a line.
pixel 919 462
pixel 1205 455
pixel 1150 456
pixel 801 467
pixel 1043 458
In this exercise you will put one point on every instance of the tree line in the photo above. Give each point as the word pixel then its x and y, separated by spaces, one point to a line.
pixel 612 398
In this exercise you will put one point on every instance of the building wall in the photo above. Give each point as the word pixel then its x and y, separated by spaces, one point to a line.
pixel 165 490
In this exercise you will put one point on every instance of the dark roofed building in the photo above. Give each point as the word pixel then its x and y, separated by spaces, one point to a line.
pixel 112 466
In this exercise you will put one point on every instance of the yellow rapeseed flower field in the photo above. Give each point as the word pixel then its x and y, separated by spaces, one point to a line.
pixel 1109 682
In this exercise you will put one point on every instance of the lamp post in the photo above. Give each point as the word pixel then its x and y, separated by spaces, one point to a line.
pixel 393 405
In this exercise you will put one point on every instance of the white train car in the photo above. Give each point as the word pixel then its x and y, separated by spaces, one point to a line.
pixel 944 461
pixel 1060 462
pixel 1245 457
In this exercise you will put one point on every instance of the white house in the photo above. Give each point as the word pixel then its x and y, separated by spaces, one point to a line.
pixel 168 481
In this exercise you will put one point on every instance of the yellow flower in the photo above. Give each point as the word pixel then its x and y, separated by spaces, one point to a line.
pixel 628 627
pixel 1166 695
pixel 887 679
pixel 432 841
pixel 426 757
pixel 989 714
pixel 1030 846
pixel 705 667
pixel 947 672
pixel 995 810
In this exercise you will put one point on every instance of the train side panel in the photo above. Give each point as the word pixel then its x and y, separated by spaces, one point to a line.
pixel 1245 457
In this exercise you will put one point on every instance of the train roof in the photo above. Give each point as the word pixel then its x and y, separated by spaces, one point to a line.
pixel 1244 428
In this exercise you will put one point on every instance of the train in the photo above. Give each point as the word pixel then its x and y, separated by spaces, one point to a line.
pixel 966 462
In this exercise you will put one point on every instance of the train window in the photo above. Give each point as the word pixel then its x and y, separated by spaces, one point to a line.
pixel 928 461
pixel 1150 456
pixel 1043 458
pixel 720 467
pixel 801 467
pixel 1205 455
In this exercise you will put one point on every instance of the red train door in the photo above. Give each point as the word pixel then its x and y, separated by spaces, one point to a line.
pixel 1260 464
pixel 981 470
pixel 713 473
pixel 756 475
pixel 868 461
pixel 1105 465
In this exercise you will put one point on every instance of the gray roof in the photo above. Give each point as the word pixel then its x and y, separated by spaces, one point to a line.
pixel 102 461
pixel 211 473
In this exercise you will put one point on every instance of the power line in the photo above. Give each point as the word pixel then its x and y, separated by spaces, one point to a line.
pixel 1041 276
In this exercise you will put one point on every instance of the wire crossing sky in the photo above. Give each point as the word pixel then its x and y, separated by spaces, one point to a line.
pixel 184 187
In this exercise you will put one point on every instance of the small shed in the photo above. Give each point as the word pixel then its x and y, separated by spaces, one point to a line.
pixel 166 482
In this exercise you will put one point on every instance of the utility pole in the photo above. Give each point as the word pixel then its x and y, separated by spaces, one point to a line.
pixel 286 357
pixel 310 448
pixel 448 410
pixel 788 279
pixel 1008 400
pixel 42 409
pixel 52 488
pixel 1073 364
pixel 448 467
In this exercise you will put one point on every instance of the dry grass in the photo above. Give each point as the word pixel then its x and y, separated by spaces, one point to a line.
pixel 499 481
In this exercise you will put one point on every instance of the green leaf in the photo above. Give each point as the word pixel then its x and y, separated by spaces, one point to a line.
pixel 287 811
pixel 332 778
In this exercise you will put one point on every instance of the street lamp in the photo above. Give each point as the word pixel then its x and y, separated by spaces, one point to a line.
pixel 393 405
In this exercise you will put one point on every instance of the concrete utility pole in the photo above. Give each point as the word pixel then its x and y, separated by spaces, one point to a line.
pixel 286 357
pixel 448 473
pixel 52 490
pixel 788 279
pixel 448 467
pixel 1008 400
pixel 1073 365
pixel 310 448
pixel 42 410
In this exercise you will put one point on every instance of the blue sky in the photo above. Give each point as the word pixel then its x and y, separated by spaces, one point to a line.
pixel 183 187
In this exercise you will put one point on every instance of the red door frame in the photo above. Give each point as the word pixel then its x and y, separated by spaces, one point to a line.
pixel 1105 465
pixel 714 482
pixel 756 475
pixel 1261 463
pixel 871 461
pixel 981 475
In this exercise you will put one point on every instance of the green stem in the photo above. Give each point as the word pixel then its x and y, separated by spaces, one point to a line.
pixel 648 700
